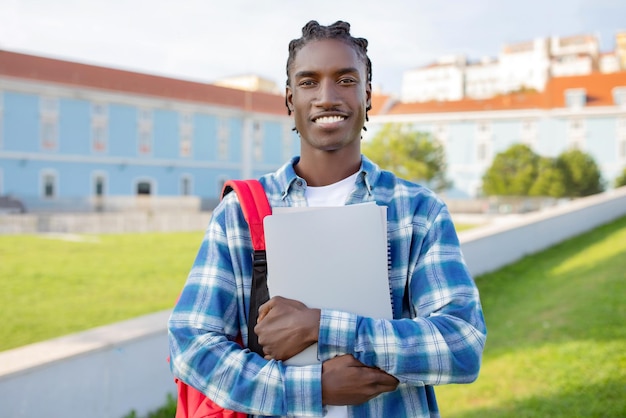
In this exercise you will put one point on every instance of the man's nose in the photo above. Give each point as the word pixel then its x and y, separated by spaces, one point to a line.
pixel 328 95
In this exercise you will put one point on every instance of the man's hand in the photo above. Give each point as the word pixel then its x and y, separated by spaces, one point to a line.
pixel 347 381
pixel 285 327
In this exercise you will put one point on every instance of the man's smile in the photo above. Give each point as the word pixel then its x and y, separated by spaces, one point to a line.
pixel 328 120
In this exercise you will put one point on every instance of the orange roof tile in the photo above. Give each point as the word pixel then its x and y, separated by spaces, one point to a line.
pixel 37 68
pixel 598 87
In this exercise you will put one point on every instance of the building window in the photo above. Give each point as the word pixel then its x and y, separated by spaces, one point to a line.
pixel 144 187
pixel 186 185
pixel 528 132
pixel 49 185
pixel 483 151
pixel 576 133
pixel 99 123
pixel 145 142
pixel 221 181
pixel 483 129
pixel 223 134
pixel 619 96
pixel 621 149
pixel 257 140
pixel 99 185
pixel 48 122
pixel 621 125
pixel 483 142
pixel 185 132
pixel 1 118
pixel 287 142
pixel 575 98
pixel 440 133
pixel 145 131
pixel 621 139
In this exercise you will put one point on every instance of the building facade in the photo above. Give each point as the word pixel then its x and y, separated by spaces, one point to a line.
pixel 74 134
pixel 519 66
pixel 586 112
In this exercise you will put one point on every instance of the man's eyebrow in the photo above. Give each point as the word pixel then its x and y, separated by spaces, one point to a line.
pixel 306 73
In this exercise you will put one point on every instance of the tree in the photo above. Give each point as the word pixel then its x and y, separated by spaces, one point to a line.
pixel 621 179
pixel 550 179
pixel 582 175
pixel 512 173
pixel 410 154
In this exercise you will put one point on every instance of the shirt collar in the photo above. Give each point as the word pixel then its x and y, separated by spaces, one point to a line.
pixel 287 177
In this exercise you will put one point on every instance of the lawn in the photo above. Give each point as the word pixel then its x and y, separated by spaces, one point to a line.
pixel 55 286
pixel 556 344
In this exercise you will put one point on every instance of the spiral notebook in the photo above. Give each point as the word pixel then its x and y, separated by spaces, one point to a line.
pixel 329 258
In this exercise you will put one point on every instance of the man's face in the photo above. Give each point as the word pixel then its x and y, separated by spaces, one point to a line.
pixel 328 94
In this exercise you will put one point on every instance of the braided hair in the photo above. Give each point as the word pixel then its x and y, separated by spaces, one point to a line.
pixel 339 30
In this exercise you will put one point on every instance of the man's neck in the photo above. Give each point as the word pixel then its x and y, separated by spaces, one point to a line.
pixel 321 168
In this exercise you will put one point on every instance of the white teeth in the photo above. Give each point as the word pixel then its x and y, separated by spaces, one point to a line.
pixel 329 119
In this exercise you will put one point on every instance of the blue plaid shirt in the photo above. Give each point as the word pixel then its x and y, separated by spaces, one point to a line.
pixel 436 337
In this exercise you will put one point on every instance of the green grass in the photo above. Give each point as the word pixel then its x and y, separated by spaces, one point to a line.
pixel 52 287
pixel 556 344
pixel 464 227
pixel 556 320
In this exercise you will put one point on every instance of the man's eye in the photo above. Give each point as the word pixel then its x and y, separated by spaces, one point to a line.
pixel 307 83
pixel 347 81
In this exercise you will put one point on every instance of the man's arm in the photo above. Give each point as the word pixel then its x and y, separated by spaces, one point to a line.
pixel 285 327
pixel 206 321
pixel 442 344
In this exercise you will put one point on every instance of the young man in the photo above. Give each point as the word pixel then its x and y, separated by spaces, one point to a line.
pixel 370 367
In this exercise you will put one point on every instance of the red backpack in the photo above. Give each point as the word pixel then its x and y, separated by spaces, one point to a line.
pixel 255 207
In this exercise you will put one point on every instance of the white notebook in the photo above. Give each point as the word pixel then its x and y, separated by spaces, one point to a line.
pixel 329 258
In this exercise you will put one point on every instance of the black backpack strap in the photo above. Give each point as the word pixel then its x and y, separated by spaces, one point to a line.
pixel 255 207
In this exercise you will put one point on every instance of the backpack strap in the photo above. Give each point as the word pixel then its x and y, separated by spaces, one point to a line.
pixel 255 207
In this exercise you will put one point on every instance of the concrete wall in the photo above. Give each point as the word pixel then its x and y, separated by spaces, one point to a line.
pixel 102 373
pixel 104 223
pixel 510 238
pixel 109 371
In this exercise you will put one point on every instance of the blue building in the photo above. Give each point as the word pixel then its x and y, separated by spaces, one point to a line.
pixel 586 112
pixel 74 134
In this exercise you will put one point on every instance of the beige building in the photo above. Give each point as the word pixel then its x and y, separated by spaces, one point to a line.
pixel 522 66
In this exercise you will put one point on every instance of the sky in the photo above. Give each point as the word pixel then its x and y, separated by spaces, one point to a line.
pixel 205 40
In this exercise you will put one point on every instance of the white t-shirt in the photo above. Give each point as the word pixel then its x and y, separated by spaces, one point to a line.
pixel 334 194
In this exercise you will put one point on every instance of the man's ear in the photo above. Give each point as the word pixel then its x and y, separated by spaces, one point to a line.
pixel 368 96
pixel 289 98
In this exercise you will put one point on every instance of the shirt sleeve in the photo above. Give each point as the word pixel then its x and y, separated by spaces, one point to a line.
pixel 207 319
pixel 443 339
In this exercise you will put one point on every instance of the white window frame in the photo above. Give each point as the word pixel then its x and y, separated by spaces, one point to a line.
pixel 223 137
pixel 528 132
pixel 145 137
pixel 257 140
pixel 619 96
pixel 621 149
pixel 484 142
pixel 49 123
pixel 1 121
pixel 575 99
pixel 441 132
pixel 576 133
pixel 185 133
pixel 99 127
pixel 287 141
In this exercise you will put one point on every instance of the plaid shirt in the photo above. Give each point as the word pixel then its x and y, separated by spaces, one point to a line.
pixel 434 339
